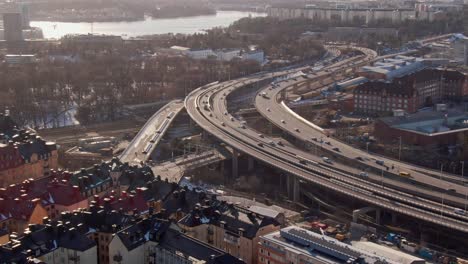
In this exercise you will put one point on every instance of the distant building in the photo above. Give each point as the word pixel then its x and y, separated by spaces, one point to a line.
pixel 459 47
pixel 20 58
pixel 255 55
pixel 92 39
pixel 13 27
pixel 336 14
pixel 411 92
pixel 388 69
pixel 358 33
pixel 294 245
pixel 465 18
pixel 24 11
pixel 227 54
pixel 199 54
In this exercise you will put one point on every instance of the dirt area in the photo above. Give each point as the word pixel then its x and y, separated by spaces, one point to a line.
pixel 69 136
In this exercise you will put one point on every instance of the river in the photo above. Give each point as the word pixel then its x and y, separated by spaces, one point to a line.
pixel 185 25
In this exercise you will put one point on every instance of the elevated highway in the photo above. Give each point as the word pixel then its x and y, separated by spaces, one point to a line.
pixel 207 106
pixel 144 143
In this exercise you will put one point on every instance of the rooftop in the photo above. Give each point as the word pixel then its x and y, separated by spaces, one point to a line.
pixel 430 123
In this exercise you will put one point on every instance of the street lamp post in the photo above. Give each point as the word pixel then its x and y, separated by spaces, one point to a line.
pixel 382 180
pixel 443 193
pixel 464 183
pixel 399 150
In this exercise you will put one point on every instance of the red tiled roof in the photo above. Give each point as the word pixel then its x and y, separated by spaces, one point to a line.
pixel 126 202
pixel 18 208
pixel 53 189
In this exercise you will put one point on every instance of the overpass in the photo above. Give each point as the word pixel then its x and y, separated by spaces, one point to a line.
pixel 144 143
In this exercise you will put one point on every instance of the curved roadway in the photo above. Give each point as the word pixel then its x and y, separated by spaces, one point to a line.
pixel 207 106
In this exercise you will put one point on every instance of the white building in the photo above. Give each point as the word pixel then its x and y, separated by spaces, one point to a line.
pixel 20 58
pixel 157 242
pixel 459 49
pixel 228 54
pixel 256 55
pixel 69 255
pixel 200 54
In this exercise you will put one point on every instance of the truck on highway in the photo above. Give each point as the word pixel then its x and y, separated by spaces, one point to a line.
pixel 405 174
pixel 327 160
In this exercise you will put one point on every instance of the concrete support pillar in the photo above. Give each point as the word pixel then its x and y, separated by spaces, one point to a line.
pixel 296 190
pixel 293 187
pixel 394 218
pixel 251 164
pixel 235 164
pixel 378 214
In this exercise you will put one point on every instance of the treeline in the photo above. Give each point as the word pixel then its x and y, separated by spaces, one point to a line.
pixel 279 39
pixel 99 86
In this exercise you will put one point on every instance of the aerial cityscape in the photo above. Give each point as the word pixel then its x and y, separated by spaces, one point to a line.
pixel 233 131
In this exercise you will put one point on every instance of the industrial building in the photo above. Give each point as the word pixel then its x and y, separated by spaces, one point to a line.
pixel 12 24
pixel 294 245
pixel 388 69
pixel 424 128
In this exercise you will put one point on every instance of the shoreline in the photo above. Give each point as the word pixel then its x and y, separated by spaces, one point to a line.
pixel 117 20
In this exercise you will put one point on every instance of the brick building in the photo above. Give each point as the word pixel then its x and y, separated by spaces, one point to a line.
pixel 424 128
pixel 409 93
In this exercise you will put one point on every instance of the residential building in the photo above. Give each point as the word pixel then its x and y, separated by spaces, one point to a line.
pixel 101 235
pixel 24 154
pixel 55 192
pixel 155 241
pixel 336 14
pixel 17 213
pixel 13 27
pixel 227 227
pixel 295 245
pixel 51 244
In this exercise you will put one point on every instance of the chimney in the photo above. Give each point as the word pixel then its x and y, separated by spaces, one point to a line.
pixel 241 231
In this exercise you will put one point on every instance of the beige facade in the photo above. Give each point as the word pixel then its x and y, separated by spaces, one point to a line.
pixel 70 256
pixel 36 168
pixel 235 244
pixel 118 253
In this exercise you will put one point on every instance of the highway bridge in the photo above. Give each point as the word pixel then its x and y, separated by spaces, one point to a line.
pixel 208 107
pixel 144 143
